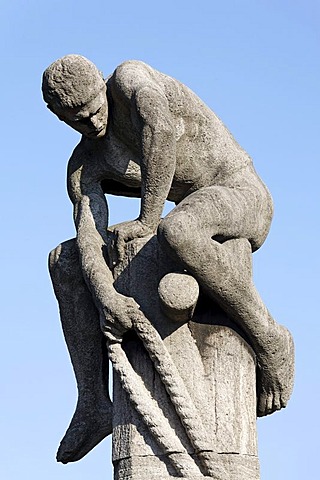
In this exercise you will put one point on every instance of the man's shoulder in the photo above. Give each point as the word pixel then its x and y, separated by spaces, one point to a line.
pixel 132 75
pixel 79 154
pixel 132 68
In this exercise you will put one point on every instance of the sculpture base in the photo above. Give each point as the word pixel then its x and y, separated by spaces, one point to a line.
pixel 236 466
pixel 217 367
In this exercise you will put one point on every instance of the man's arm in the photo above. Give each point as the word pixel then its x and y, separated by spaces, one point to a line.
pixel 158 152
pixel 91 221
pixel 153 125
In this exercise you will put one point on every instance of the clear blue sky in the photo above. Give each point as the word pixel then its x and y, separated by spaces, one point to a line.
pixel 256 64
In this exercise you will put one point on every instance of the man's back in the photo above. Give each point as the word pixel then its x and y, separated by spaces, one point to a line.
pixel 205 151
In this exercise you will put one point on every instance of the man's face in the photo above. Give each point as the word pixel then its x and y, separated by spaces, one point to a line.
pixel 91 119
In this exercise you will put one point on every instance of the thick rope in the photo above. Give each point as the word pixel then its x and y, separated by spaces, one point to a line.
pixel 175 388
pixel 177 392
pixel 148 409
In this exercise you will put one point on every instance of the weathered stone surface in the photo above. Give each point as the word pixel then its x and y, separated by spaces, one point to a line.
pixel 216 365
pixel 178 293
pixel 147 135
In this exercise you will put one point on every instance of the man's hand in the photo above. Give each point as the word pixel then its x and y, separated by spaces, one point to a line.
pixel 118 316
pixel 124 232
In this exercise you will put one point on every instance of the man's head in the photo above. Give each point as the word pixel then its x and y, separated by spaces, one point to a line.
pixel 75 91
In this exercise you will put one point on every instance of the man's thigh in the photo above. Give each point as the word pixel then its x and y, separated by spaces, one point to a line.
pixel 224 213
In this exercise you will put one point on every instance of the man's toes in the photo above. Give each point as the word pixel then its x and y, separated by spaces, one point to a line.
pixel 269 404
pixel 283 402
pixel 63 456
pixel 262 400
pixel 71 443
pixel 81 438
pixel 276 401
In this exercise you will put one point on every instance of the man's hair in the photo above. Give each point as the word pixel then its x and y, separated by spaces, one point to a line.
pixel 71 81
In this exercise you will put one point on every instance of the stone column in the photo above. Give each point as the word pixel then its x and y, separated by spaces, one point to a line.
pixel 209 431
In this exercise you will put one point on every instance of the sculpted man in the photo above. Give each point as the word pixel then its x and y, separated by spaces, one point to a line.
pixel 146 135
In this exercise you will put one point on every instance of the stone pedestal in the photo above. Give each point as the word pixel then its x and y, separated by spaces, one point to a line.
pixel 215 364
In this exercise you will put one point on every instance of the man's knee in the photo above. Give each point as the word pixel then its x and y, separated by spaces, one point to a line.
pixel 175 232
pixel 63 260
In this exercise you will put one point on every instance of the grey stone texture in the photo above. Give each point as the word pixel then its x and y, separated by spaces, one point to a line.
pixel 206 431
pixel 146 135
pixel 178 294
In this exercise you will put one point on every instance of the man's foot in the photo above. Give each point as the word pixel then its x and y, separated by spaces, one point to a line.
pixel 86 430
pixel 275 373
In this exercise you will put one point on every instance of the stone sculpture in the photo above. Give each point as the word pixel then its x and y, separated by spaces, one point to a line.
pixel 146 135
